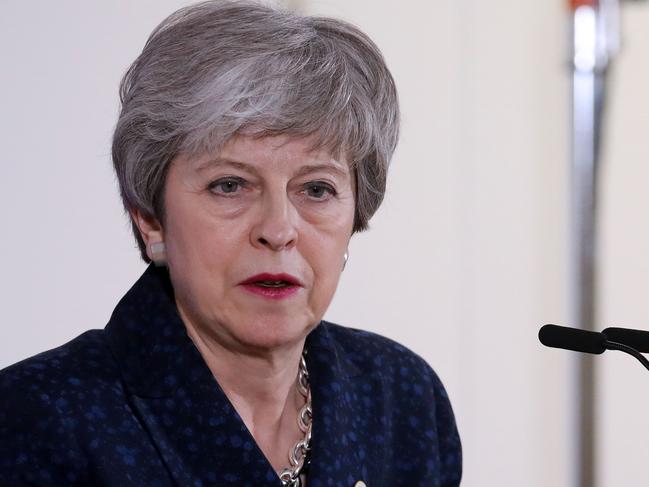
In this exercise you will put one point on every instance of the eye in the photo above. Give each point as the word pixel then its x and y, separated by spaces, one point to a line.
pixel 319 191
pixel 226 185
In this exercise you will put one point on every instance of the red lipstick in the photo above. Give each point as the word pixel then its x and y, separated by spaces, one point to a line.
pixel 272 286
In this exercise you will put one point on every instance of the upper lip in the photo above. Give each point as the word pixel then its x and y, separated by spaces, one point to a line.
pixel 265 276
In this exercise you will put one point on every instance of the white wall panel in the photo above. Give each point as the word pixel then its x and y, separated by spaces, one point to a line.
pixel 624 385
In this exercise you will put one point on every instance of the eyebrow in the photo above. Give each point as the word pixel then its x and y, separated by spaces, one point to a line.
pixel 308 169
pixel 304 170
pixel 220 161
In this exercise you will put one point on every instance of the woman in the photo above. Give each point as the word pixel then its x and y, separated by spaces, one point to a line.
pixel 252 143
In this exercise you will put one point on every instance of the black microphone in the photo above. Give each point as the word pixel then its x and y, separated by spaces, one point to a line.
pixel 638 339
pixel 572 339
pixel 593 342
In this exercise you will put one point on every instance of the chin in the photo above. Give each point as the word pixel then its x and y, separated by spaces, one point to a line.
pixel 273 333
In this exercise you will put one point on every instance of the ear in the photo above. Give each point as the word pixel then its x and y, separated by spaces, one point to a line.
pixel 151 232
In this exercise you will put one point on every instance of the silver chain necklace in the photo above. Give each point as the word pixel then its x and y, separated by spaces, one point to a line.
pixel 298 454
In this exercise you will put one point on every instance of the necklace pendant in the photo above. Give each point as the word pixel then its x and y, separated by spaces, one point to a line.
pixel 297 482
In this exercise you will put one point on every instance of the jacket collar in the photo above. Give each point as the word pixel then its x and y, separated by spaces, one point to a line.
pixel 148 338
pixel 151 345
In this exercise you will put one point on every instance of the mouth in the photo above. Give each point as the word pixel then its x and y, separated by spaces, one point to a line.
pixel 273 286
pixel 273 280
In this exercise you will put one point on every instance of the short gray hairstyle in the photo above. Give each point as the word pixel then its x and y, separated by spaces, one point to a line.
pixel 221 68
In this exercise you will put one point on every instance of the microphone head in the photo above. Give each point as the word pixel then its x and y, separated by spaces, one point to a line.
pixel 572 339
pixel 638 339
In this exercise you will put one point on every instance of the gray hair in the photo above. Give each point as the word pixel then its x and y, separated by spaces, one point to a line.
pixel 221 68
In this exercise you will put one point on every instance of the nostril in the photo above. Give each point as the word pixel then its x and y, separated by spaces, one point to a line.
pixel 263 241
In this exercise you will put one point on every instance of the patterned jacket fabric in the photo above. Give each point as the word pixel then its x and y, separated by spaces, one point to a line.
pixel 136 405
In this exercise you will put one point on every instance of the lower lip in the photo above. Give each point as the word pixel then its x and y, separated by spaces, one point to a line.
pixel 271 292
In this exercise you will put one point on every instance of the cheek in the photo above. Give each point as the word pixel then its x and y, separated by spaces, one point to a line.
pixel 325 255
pixel 198 240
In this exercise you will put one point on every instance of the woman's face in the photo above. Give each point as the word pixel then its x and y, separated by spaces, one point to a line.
pixel 256 237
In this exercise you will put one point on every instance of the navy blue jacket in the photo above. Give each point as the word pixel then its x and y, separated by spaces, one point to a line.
pixel 136 405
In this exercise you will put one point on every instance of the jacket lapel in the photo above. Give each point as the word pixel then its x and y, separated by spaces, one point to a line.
pixel 200 437
pixel 339 449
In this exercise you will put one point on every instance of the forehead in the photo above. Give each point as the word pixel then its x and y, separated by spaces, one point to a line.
pixel 272 152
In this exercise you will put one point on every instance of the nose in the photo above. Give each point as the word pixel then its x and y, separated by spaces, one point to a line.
pixel 276 226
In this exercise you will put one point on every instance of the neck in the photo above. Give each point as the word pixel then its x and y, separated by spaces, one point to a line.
pixel 262 388
pixel 259 382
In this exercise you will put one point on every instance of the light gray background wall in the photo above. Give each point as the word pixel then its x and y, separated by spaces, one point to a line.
pixel 623 389
pixel 465 259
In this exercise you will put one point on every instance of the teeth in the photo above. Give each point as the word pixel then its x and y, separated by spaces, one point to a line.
pixel 272 283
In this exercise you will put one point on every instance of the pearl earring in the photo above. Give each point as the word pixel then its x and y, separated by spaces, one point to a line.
pixel 158 253
pixel 345 257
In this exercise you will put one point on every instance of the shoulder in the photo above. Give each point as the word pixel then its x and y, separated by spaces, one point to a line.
pixel 59 378
pixel 405 376
pixel 373 353
pixel 79 364
pixel 62 380
pixel 43 400
pixel 410 397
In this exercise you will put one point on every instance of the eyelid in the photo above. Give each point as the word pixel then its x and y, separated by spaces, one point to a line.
pixel 323 182
pixel 224 179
